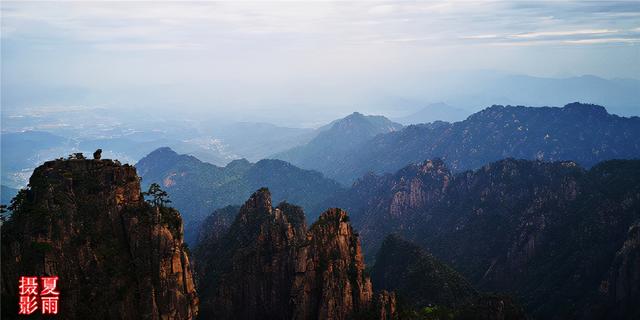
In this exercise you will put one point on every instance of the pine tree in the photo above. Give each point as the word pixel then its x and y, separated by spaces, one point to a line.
pixel 158 196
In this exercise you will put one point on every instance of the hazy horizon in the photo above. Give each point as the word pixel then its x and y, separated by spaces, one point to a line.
pixel 307 61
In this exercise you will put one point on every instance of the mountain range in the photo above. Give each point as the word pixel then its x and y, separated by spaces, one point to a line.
pixel 197 188
pixel 259 261
pixel 87 222
pixel 516 212
pixel 583 133
pixel 560 237
pixel 325 152
pixel 620 94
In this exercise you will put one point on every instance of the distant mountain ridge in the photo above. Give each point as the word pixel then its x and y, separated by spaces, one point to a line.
pixel 584 133
pixel 620 94
pixel 197 188
pixel 336 140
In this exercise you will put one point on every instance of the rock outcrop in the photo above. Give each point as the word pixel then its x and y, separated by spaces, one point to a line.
pixel 553 234
pixel 330 282
pixel 269 266
pixel 247 274
pixel 621 288
pixel 116 256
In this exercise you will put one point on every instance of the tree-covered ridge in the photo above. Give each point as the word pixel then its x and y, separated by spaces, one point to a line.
pixel 197 188
pixel 419 279
pixel 578 132
pixel 426 288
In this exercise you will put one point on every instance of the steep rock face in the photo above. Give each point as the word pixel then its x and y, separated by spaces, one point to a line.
pixel 248 273
pixel 385 307
pixel 392 204
pixel 116 257
pixel 621 288
pixel 548 232
pixel 269 266
pixel 330 281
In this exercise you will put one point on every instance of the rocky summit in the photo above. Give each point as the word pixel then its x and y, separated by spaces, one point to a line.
pixel 268 265
pixel 116 256
pixel 561 238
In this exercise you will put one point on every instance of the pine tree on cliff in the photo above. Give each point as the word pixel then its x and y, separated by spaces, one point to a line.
pixel 158 196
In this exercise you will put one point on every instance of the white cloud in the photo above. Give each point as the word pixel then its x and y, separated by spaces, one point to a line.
pixel 603 40
pixel 541 34
pixel 226 49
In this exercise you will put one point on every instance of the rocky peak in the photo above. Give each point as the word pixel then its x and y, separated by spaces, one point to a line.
pixel 330 280
pixel 162 153
pixel 85 221
pixel 259 201
pixel 332 216
pixel 268 265
pixel 365 125
pixel 247 273
pixel 417 184
pixel 585 108
pixel 163 158
pixel 355 115
pixel 621 287
pixel 434 168
pixel 239 164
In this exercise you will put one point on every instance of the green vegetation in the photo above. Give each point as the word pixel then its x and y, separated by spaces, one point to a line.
pixel 159 197
pixel 427 313
pixel 197 188
pixel 418 277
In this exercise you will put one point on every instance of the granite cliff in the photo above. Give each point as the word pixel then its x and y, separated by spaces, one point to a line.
pixel 267 265
pixel 116 256
pixel 556 235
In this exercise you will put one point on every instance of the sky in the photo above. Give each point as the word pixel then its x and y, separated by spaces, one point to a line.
pixel 266 57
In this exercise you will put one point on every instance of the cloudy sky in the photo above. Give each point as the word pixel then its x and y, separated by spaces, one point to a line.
pixel 254 54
